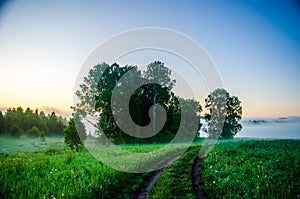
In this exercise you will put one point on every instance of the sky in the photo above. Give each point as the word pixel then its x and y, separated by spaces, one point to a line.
pixel 255 46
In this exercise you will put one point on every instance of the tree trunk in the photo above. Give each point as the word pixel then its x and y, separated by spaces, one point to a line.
pixel 153 110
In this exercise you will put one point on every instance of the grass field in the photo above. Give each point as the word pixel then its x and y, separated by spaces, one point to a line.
pixel 233 169
pixel 176 180
pixel 253 169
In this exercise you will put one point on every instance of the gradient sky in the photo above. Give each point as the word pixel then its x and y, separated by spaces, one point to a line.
pixel 254 44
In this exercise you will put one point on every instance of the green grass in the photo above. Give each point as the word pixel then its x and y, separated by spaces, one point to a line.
pixel 60 173
pixel 233 169
pixel 63 175
pixel 176 180
pixel 253 169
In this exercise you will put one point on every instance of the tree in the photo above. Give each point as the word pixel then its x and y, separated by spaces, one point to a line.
pixel 225 112
pixel 54 124
pixel 160 74
pixel 34 132
pixel 191 109
pixel 16 131
pixel 42 136
pixel 1 123
pixel 97 97
pixel 74 133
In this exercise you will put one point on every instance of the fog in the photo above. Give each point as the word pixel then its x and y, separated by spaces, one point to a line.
pixel 265 128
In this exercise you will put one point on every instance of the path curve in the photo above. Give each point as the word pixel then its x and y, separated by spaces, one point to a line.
pixel 149 182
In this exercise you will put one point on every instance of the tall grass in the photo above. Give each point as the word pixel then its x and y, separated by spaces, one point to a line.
pixel 176 180
pixel 63 175
pixel 253 169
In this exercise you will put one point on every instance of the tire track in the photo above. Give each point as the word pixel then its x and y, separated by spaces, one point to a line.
pixel 148 183
pixel 197 185
pixel 151 179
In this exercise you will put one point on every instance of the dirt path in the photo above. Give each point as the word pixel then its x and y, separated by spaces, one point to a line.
pixel 148 183
pixel 197 186
pixel 151 179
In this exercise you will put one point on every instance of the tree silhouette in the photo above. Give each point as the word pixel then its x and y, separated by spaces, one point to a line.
pixel 225 111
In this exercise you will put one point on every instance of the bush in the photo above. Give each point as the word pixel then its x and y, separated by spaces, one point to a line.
pixel 42 136
pixel 34 132
pixel 16 131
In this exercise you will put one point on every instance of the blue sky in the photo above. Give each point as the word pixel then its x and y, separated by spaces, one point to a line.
pixel 254 44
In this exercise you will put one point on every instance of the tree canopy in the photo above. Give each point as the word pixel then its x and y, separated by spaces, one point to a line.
pixel 16 121
pixel 103 81
pixel 74 133
pixel 225 112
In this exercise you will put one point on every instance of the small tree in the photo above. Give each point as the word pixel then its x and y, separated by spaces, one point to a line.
pixel 16 131
pixel 42 136
pixel 34 132
pixel 75 135
pixel 225 111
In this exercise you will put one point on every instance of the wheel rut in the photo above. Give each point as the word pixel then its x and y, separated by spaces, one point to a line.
pixel 197 185
pixel 151 179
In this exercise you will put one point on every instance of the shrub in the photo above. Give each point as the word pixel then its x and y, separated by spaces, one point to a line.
pixel 16 131
pixel 42 136
pixel 34 132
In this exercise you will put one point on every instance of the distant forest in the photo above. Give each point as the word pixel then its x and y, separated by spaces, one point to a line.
pixel 16 122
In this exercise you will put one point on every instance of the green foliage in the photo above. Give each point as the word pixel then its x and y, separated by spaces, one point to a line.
pixel 42 136
pixel 1 123
pixel 74 134
pixel 34 132
pixel 55 124
pixel 225 111
pixel 15 131
pixel 95 96
pixel 253 169
pixel 26 120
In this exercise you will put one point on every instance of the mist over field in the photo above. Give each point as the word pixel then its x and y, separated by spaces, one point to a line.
pixel 266 128
pixel 279 128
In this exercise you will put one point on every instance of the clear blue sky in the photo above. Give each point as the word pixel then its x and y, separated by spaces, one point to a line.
pixel 255 45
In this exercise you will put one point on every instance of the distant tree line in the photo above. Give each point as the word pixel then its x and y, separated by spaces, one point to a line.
pixel 16 122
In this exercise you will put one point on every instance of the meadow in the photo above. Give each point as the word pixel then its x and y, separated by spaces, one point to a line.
pixel 253 169
pixel 233 169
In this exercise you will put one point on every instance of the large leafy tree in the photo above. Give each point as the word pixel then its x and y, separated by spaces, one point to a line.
pixel 225 112
pixel 96 94
pixel 158 92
